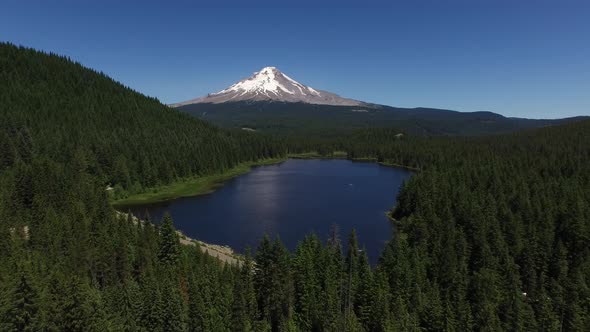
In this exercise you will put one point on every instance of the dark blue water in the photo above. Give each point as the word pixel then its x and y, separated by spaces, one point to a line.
pixel 291 200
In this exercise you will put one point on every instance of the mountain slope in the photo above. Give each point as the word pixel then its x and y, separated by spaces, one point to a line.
pixel 292 118
pixel 65 111
pixel 272 101
pixel 270 84
pixel 68 262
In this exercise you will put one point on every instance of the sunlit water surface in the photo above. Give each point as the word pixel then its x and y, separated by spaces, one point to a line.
pixel 291 200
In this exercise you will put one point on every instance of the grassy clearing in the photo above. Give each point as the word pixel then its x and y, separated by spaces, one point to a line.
pixel 389 164
pixel 366 159
pixel 385 163
pixel 191 186
pixel 316 155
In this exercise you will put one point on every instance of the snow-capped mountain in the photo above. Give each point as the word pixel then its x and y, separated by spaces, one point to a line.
pixel 270 84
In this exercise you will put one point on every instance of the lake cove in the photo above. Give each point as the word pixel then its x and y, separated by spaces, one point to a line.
pixel 291 200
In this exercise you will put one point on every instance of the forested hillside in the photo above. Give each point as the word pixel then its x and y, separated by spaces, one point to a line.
pixel 493 233
pixel 66 132
pixel 54 109
pixel 282 118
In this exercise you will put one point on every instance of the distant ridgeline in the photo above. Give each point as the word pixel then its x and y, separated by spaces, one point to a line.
pixel 286 118
pixel 493 233
pixel 271 101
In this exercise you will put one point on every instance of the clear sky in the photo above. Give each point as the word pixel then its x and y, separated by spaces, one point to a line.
pixel 517 58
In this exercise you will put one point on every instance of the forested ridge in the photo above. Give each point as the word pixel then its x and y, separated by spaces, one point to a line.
pixel 56 109
pixel 287 119
pixel 493 233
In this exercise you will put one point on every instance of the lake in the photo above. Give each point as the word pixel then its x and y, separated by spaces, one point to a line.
pixel 291 200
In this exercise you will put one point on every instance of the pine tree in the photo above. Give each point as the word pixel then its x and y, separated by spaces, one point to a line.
pixel 307 276
pixel 197 308
pixel 331 275
pixel 281 286
pixel 274 283
pixel 169 252
pixel 380 314
pixel 77 307
pixel 364 296
pixel 239 318
pixel 352 273
pixel 7 152
pixel 152 316
pixel 262 279
pixel 244 308
pixel 19 306
pixel 172 307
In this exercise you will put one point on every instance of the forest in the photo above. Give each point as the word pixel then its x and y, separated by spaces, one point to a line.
pixel 491 233
pixel 287 118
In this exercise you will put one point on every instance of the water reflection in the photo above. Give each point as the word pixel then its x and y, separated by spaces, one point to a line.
pixel 291 200
pixel 261 194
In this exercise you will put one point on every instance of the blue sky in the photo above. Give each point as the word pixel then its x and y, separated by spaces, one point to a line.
pixel 517 58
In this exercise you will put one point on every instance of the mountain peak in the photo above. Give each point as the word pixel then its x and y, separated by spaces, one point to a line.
pixel 265 69
pixel 270 84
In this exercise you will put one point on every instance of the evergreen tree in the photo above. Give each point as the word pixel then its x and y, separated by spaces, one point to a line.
pixel 169 246
pixel 352 273
pixel 19 306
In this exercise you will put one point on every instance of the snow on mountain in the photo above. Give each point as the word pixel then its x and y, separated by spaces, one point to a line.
pixel 271 84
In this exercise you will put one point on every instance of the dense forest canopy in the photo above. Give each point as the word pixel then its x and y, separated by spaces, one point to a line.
pixel 285 119
pixel 57 109
pixel 493 233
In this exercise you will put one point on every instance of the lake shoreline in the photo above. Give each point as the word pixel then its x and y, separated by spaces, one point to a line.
pixel 315 155
pixel 191 187
pixel 293 199
pixel 222 252
pixel 197 186
pixel 343 155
